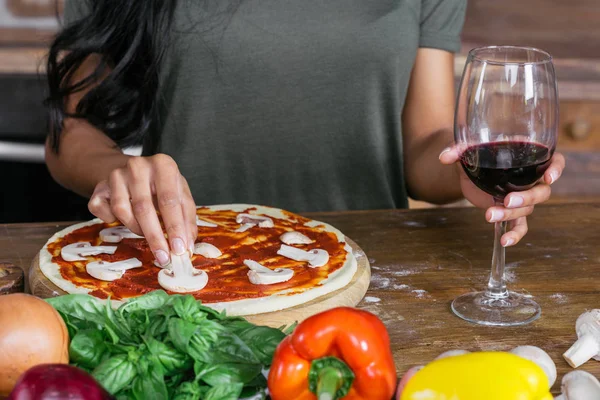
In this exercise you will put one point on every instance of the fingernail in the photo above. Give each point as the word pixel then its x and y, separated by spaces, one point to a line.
pixel 192 246
pixel 162 257
pixel 553 176
pixel 178 246
pixel 497 215
pixel 515 201
pixel 447 149
pixel 509 242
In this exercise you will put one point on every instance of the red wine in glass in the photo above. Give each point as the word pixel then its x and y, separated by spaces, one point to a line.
pixel 499 168
pixel 506 124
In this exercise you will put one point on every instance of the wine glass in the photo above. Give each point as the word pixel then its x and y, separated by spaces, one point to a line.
pixel 506 129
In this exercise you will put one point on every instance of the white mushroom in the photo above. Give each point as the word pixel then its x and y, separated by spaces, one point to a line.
pixel 293 237
pixel 207 250
pixel 261 275
pixel 116 234
pixel 110 271
pixel 588 344
pixel 201 222
pixel 541 358
pixel 181 276
pixel 248 221
pixel 315 258
pixel 579 385
pixel 78 251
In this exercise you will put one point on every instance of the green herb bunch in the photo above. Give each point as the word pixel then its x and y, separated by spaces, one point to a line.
pixel 168 347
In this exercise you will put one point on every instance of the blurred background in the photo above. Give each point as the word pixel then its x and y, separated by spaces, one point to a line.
pixel 569 30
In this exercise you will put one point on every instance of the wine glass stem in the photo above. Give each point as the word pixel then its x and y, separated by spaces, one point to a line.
pixel 496 286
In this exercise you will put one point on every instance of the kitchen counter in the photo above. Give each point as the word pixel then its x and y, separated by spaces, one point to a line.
pixel 422 259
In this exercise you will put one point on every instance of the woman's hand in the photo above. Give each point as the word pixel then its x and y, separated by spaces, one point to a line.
pixel 517 205
pixel 133 194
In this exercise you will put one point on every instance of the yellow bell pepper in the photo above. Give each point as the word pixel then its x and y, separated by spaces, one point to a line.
pixel 479 376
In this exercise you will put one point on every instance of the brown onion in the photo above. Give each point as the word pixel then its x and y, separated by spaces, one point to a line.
pixel 31 333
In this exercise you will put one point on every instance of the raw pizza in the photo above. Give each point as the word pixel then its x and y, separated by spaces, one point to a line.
pixel 248 259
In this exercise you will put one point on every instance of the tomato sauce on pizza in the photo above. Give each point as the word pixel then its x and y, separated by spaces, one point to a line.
pixel 227 275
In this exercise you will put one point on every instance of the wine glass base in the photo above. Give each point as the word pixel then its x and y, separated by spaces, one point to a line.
pixel 511 310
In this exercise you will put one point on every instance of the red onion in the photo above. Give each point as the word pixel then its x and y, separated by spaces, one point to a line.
pixel 57 382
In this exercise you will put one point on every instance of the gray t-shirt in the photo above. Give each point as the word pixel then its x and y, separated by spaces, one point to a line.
pixel 295 104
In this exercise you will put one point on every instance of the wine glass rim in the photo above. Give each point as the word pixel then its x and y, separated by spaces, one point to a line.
pixel 547 57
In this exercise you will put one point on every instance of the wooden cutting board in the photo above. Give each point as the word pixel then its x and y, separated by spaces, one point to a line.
pixel 349 296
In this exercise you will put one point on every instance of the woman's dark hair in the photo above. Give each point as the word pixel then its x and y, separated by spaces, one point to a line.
pixel 131 37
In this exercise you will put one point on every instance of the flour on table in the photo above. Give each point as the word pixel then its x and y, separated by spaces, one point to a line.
pixel 414 224
pixel 371 299
pixel 509 272
pixel 420 293
pixel 404 272
pixel 401 287
pixel 559 298
pixel 380 282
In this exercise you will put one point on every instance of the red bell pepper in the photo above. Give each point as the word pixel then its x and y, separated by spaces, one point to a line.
pixel 343 353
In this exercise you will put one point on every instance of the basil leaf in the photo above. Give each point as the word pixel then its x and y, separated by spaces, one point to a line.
pixel 80 306
pixel 87 308
pixel 117 323
pixel 125 395
pixel 115 373
pixel 188 391
pixel 212 313
pixel 236 325
pixel 87 348
pixel 72 326
pixel 262 340
pixel 290 329
pixel 180 333
pixel 227 374
pixel 229 349
pixel 159 322
pixel 260 381
pixel 172 360
pixel 150 384
pixel 188 309
pixel 174 381
pixel 224 392
pixel 150 301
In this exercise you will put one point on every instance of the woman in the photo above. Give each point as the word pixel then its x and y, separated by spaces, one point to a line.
pixel 304 105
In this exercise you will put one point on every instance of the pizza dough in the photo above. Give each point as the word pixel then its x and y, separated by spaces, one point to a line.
pixel 227 273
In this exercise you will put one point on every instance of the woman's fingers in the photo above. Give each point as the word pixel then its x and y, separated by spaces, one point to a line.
pixel 537 194
pixel 139 173
pixel 450 155
pixel 189 213
pixel 555 169
pixel 497 214
pixel 120 203
pixel 518 231
pixel 99 204
pixel 170 201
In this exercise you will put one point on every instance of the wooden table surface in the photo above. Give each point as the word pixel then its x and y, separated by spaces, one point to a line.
pixel 422 259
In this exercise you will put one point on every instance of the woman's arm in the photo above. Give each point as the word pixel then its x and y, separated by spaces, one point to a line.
pixel 427 126
pixel 431 161
pixel 87 156
pixel 124 188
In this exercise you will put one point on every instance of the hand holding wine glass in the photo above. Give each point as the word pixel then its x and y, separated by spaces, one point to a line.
pixel 505 133
pixel 516 205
